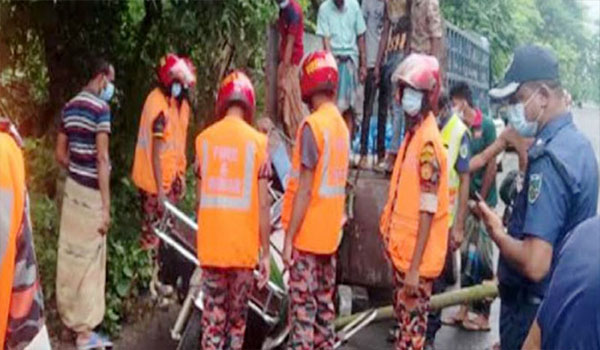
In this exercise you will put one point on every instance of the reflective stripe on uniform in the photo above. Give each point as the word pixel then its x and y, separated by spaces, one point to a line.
pixel 6 212
pixel 325 190
pixel 222 201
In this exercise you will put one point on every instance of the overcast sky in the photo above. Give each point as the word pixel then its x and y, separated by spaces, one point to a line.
pixel 593 11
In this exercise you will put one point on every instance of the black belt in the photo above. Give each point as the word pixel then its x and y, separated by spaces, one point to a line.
pixel 518 294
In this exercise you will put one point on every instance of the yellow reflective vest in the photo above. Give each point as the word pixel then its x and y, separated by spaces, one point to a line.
pixel 452 135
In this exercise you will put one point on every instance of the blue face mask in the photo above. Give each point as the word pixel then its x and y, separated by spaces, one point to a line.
pixel 518 119
pixel 411 101
pixel 176 89
pixel 107 93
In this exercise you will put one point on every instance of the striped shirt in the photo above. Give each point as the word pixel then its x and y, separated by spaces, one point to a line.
pixel 82 118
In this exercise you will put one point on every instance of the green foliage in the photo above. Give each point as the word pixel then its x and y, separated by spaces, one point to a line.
pixel 557 24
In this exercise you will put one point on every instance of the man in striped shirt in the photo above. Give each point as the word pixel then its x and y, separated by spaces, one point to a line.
pixel 82 148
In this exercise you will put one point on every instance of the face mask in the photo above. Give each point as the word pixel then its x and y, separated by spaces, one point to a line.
pixel 176 89
pixel 518 119
pixel 411 101
pixel 107 93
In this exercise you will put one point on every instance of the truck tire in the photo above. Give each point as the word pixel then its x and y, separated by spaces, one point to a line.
pixel 190 340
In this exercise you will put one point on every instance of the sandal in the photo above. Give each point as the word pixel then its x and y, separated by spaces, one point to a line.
pixel 475 325
pixel 457 319
pixel 95 341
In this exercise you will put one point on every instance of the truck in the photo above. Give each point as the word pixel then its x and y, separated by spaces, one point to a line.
pixel 362 261
pixel 361 257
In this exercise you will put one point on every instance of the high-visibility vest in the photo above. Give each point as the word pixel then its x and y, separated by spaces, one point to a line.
pixel 172 158
pixel 320 231
pixel 400 219
pixel 12 203
pixel 452 135
pixel 229 155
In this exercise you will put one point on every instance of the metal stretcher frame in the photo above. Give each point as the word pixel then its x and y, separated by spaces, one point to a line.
pixel 186 252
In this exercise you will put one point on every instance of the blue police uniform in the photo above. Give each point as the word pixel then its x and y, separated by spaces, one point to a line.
pixel 560 191
pixel 569 317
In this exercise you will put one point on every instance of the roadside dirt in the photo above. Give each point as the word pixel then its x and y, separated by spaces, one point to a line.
pixel 151 333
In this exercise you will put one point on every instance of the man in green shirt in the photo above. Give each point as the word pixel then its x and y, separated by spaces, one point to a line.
pixel 477 247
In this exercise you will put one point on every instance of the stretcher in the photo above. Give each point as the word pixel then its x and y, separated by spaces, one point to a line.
pixel 268 325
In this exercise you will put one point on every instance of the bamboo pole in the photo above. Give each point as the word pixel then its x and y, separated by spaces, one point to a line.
pixel 438 301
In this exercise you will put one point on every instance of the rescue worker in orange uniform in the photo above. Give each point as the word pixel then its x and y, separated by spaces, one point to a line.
pixel 160 162
pixel 414 223
pixel 233 171
pixel 21 300
pixel 160 159
pixel 313 206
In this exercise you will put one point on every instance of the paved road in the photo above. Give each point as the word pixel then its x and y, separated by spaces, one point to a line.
pixel 449 338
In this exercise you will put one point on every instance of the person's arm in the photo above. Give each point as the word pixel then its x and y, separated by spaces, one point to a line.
pixel 301 201
pixel 532 255
pixel 360 28
pixel 489 154
pixel 158 143
pixel 289 46
pixel 157 149
pixel 62 152
pixel 488 177
pixel 461 213
pixel 265 230
pixel 489 135
pixel 309 159
pixel 103 164
pixel 363 58
pixel 462 168
pixel 423 232
pixel 323 28
pixel 534 338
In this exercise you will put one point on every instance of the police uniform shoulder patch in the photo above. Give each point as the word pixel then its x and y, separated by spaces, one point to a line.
pixel 535 187
pixel 463 151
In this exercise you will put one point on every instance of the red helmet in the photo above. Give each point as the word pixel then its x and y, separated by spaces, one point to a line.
pixel 190 73
pixel 236 87
pixel 421 72
pixel 319 73
pixel 173 67
pixel 164 68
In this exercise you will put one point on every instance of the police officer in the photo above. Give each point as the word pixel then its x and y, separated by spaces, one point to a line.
pixel 568 317
pixel 560 189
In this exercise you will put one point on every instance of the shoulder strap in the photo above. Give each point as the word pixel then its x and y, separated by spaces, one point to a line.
pixel 540 151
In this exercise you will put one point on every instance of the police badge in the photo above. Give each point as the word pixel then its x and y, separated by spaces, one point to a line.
pixel 535 187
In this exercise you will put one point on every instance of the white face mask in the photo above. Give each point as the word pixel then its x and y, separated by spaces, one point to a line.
pixel 411 101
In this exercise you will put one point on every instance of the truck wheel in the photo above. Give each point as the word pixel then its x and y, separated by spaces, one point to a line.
pixel 190 340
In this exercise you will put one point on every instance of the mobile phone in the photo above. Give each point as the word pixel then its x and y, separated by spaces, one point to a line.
pixel 478 196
